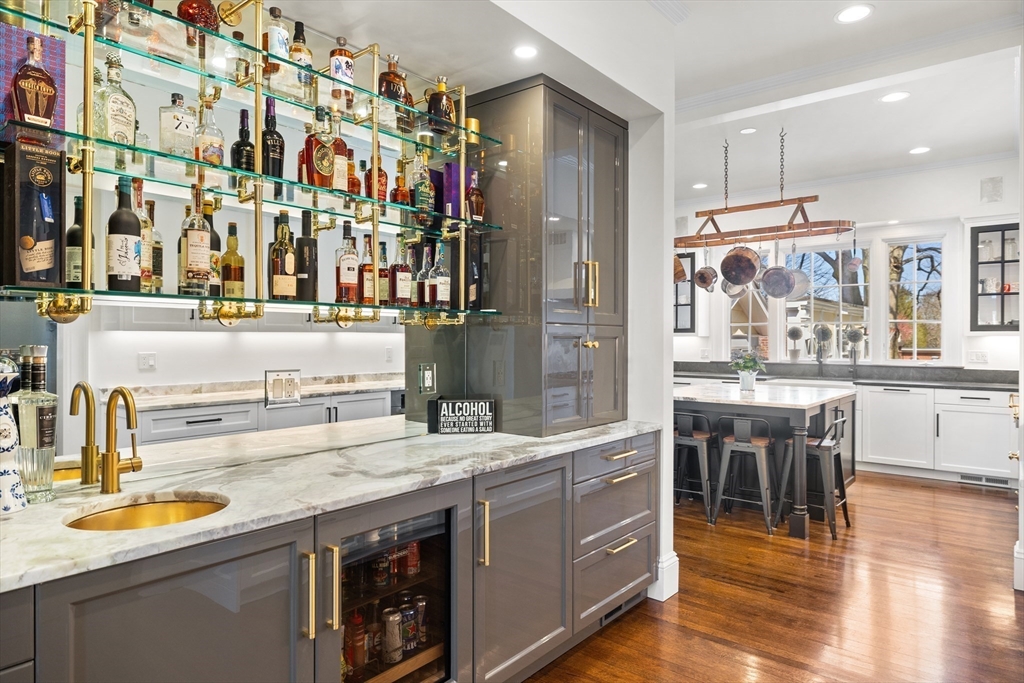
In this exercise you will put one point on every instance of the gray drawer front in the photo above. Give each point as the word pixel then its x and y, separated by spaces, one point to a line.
pixel 602 580
pixel 23 673
pixel 604 509
pixel 193 423
pixel 597 460
pixel 17 624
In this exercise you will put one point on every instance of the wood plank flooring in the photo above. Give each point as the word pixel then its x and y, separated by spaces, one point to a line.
pixel 919 589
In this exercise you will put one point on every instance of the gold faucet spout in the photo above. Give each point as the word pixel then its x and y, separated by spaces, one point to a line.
pixel 113 466
pixel 90 451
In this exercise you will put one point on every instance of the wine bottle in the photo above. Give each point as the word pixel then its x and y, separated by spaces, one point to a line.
pixel 306 272
pixel 146 264
pixel 74 250
pixel 215 281
pixel 273 147
pixel 242 150
pixel 124 243
pixel 158 249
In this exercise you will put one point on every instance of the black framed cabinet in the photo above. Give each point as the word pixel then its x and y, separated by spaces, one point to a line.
pixel 995 278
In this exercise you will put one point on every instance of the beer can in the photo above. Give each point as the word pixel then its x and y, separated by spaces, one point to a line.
pixel 409 637
pixel 392 642
pixel 420 603
pixel 402 598
pixel 411 561
pixel 382 571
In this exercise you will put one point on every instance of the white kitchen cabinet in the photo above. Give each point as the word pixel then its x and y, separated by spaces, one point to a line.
pixel 148 319
pixel 899 426
pixel 180 424
pixel 312 411
pixel 285 321
pixel 360 406
pixel 975 434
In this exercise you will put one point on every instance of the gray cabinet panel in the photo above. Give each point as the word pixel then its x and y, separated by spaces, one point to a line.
pixel 607 390
pixel 607 576
pixel 17 623
pixel 605 508
pixel 312 411
pixel 607 220
pixel 231 610
pixel 565 392
pixel 361 406
pixel 23 673
pixel 179 424
pixel 522 598
pixel 611 457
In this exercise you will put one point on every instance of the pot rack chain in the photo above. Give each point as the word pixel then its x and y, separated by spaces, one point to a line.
pixel 726 148
pixel 782 165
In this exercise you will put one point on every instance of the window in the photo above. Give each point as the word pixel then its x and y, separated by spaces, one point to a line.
pixel 915 301
pixel 748 317
pixel 683 303
pixel 835 307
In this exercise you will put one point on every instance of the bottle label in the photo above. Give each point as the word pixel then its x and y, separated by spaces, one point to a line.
pixel 414 293
pixel 424 195
pixel 158 260
pixel 36 256
pixel 234 289
pixel 302 59
pixel 343 68
pixel 323 160
pixel 197 255
pixel 340 181
pixel 214 268
pixel 210 149
pixel 382 287
pixel 146 261
pixel 284 285
pixel 444 289
pixel 277 41
pixel 46 426
pixel 289 264
pixel 368 285
pixel 120 119
pixel 73 271
pixel 403 285
pixel 348 269
pixel 124 256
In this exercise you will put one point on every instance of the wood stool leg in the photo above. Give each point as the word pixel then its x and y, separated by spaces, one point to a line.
pixel 841 482
pixel 787 462
pixel 722 476
pixel 702 459
pixel 765 483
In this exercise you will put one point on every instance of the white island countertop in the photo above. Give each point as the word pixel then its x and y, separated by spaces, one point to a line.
pixel 764 395
pixel 269 478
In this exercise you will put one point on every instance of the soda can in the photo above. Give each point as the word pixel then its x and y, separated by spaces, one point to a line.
pixel 382 571
pixel 409 637
pixel 411 561
pixel 392 641
pixel 420 603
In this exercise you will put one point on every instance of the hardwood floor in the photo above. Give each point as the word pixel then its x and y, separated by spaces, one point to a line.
pixel 919 589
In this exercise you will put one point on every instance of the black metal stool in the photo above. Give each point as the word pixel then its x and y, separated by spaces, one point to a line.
pixel 744 442
pixel 701 440
pixel 828 453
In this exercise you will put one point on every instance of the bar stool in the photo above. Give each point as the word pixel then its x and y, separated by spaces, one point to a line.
pixel 744 442
pixel 828 453
pixel 701 440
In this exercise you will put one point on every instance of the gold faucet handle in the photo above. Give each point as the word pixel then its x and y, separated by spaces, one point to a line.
pixel 135 462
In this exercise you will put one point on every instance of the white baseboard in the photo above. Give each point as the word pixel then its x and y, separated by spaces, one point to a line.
pixel 667 584
pixel 1018 566
pixel 920 473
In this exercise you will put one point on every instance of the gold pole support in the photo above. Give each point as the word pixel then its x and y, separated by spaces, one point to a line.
pixel 62 308
pixel 231 12
pixel 431 320
pixel 228 313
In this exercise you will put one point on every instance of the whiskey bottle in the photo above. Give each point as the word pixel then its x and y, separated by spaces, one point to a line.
pixel 209 138
pixel 37 418
pixel 346 260
pixel 73 260
pixel 215 275
pixel 194 250
pixel 423 292
pixel 367 271
pixel 340 179
pixel 355 188
pixel 319 155
pixel 410 259
pixel 475 198
pixel 441 109
pixel 33 91
pixel 301 55
pixel 282 263
pixel 243 153
pixel 440 282
pixel 158 249
pixel 406 114
pixel 400 193
pixel 232 267
pixel 177 128
pixel 203 14
pixel 275 44
pixel 146 260
pixel 424 189
pixel 124 243
pixel 306 271
pixel 382 182
pixel 401 277
pixel 273 143
pixel 37 225
pixel 300 158
pixel 343 68
pixel 383 276
pixel 390 83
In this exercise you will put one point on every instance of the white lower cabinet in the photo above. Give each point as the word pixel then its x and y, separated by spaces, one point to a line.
pixel 312 411
pixel 360 406
pixel 976 439
pixel 899 426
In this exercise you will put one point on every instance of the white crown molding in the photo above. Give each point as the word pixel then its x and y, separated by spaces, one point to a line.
pixel 920 45
pixel 673 10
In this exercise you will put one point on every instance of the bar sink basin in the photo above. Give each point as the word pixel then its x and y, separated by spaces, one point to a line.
pixel 146 514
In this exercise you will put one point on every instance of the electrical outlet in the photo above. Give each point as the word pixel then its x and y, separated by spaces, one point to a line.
pixel 705 354
pixel 977 356
pixel 428 378
pixel 147 360
pixel 282 387
pixel 389 356
pixel 499 373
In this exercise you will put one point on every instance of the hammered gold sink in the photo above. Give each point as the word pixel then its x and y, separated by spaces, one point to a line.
pixel 146 515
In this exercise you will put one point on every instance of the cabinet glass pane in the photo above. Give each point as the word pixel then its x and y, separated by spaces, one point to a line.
pixel 1011 245
pixel 564 380
pixel 1011 309
pixel 606 214
pixel 990 247
pixel 563 219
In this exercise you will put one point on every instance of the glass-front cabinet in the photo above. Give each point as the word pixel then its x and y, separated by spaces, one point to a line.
pixel 995 278
pixel 685 296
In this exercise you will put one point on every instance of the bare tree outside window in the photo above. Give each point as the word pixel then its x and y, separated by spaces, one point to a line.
pixel 915 301
pixel 838 299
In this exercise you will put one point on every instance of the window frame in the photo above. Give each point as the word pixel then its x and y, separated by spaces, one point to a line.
pixel 689 260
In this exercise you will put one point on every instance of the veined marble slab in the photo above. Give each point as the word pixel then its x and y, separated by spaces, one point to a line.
pixel 767 395
pixel 269 478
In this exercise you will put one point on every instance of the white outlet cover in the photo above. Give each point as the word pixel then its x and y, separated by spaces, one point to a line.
pixel 147 360
pixel 389 355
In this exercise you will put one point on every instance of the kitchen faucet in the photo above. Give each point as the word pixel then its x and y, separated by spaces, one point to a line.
pixel 111 462
pixel 90 451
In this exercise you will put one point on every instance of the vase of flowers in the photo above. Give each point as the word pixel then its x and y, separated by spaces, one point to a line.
pixel 747 364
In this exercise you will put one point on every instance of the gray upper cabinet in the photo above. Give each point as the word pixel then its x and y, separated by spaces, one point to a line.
pixel 607 229
pixel 522 588
pixel 231 610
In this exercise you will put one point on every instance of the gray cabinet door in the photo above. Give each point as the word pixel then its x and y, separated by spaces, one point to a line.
pixel 607 213
pixel 607 577
pixel 565 383
pixel 605 508
pixel 231 610
pixel 607 375
pixel 312 411
pixel 522 587
pixel 565 210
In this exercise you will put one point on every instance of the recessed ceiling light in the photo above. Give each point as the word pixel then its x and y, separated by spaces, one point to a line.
pixel 854 13
pixel 920 150
pixel 894 97
pixel 700 186
pixel 503 164
pixel 893 222
pixel 525 52
pixel 748 131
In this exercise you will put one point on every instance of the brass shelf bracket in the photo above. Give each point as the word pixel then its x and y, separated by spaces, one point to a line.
pixel 62 308
pixel 229 313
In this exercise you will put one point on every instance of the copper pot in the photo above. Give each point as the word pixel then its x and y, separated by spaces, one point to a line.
pixel 740 265
pixel 706 277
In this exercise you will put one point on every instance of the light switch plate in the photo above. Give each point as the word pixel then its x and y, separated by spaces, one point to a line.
pixel 428 378
pixel 977 356
pixel 147 360
pixel 283 387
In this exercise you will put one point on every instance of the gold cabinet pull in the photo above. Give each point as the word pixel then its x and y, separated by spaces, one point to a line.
pixel 595 344
pixel 618 456
pixel 590 302
pixel 631 541
pixel 1014 455
pixel 334 622
pixel 311 631
pixel 624 477
pixel 597 284
pixel 486 559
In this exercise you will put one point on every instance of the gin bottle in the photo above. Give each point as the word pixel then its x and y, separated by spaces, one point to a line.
pixel 37 412
pixel 177 128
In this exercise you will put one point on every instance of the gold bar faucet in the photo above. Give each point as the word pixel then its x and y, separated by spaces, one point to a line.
pixel 112 464
pixel 90 451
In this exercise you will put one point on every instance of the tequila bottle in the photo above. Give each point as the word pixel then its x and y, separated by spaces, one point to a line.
pixel 97 85
pixel 209 138
pixel 117 108
pixel 37 416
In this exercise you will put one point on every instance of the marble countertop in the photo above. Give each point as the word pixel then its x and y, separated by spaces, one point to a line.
pixel 269 478
pixel 768 395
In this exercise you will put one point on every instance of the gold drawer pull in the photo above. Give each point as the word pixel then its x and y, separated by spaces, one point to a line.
pixel 486 559
pixel 618 456
pixel 612 551
pixel 1014 455
pixel 335 622
pixel 624 477
pixel 311 631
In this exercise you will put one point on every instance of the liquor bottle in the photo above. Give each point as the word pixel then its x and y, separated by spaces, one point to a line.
pixel 424 189
pixel 282 263
pixel 209 138
pixel 273 143
pixel 355 188
pixel 97 85
pixel 275 43
pixel 346 274
pixel 232 267
pixel 124 243
pixel 235 56
pixel 367 271
pixel 33 91
pixel 301 55
pixel 140 22
pixel 343 68
pixel 423 280
pixel 475 198
pixel 306 272
pixel 300 158
pixel 320 152
pixel 139 155
pixel 400 193
pixel 203 14
pixel 390 83
pixel 441 108
pixel 406 115
pixel 410 260
pixel 37 418
pixel 37 225
pixel 340 180
pixel 215 275
pixel 382 182
pixel 73 259
pixel 401 277
pixel 194 250
pixel 118 113
pixel 383 276
pixel 243 153
pixel 440 282
pixel 25 383
pixel 177 128
pixel 158 249
pixel 146 257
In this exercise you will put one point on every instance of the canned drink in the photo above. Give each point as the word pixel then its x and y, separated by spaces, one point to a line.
pixel 420 603
pixel 382 571
pixel 402 598
pixel 395 556
pixel 392 642
pixel 409 637
pixel 411 561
